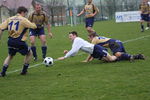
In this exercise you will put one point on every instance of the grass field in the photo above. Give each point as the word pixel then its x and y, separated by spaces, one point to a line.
pixel 73 80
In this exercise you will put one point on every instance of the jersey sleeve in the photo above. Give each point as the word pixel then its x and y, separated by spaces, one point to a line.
pixel 30 17
pixel 94 41
pixel 4 25
pixel 28 24
pixel 75 48
pixel 95 8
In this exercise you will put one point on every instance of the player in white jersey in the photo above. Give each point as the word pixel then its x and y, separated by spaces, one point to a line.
pixel 95 51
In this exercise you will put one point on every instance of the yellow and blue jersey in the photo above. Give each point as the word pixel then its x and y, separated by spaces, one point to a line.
pixel 90 9
pixel 103 41
pixel 114 45
pixel 17 27
pixel 144 8
pixel 39 18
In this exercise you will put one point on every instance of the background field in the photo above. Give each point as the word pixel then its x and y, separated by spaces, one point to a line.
pixel 73 80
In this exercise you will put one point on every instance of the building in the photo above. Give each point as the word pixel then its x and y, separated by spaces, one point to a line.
pixel 9 7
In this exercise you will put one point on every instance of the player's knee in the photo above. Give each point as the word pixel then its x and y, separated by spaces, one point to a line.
pixel 118 54
pixel 112 58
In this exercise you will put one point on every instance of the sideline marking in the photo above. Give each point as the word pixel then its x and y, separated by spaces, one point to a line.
pixel 131 40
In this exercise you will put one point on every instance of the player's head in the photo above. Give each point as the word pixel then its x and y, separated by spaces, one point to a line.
pixel 89 1
pixel 73 35
pixel 22 10
pixel 38 7
pixel 92 35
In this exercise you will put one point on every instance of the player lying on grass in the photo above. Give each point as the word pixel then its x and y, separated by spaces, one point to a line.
pixel 96 51
pixel 17 27
pixel 116 47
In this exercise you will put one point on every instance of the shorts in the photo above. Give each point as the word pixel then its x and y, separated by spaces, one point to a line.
pixel 145 17
pixel 15 46
pixel 89 22
pixel 117 47
pixel 37 32
pixel 99 52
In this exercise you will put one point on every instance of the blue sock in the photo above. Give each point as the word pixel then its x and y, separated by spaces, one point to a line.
pixel 44 50
pixel 4 69
pixel 142 26
pixel 25 67
pixel 33 48
pixel 125 56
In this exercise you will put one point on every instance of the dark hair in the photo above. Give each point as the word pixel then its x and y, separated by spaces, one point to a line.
pixel 22 9
pixel 93 34
pixel 74 33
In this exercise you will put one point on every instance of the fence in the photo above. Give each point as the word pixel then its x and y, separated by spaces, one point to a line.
pixel 66 12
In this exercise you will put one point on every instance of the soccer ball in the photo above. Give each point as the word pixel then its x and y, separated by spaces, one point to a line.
pixel 48 61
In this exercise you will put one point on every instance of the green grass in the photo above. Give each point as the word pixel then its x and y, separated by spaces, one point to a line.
pixel 73 80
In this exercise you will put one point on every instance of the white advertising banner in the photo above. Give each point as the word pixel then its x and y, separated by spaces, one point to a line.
pixel 129 16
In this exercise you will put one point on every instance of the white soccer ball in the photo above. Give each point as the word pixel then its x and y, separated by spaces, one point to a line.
pixel 48 61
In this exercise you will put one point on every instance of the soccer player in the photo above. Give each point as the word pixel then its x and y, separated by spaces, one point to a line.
pixel 17 26
pixel 144 8
pixel 95 51
pixel 90 11
pixel 116 46
pixel 40 18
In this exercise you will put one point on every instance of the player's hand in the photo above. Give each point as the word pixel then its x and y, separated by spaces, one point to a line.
pixel 78 15
pixel 50 35
pixel 65 51
pixel 61 58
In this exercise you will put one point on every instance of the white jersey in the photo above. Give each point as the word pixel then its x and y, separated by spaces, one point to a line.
pixel 80 44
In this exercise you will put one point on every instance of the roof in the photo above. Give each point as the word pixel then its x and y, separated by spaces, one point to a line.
pixel 14 4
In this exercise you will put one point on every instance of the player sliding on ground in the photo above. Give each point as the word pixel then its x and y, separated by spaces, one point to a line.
pixel 95 51
pixel 116 47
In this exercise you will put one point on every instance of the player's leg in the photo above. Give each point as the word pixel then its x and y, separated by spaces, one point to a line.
pixel 90 29
pixel 44 46
pixel 89 24
pixel 33 47
pixel 110 58
pixel 142 22
pixel 26 63
pixel 5 65
pixel 147 19
pixel 25 51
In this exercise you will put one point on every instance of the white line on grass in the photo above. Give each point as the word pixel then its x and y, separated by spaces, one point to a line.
pixel 131 40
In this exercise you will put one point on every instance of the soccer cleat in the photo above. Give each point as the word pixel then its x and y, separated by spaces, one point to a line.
pixel 35 58
pixel 147 28
pixel 139 56
pixel 23 73
pixel 2 74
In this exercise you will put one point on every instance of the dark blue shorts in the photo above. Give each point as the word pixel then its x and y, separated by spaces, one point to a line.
pixel 37 32
pixel 145 17
pixel 99 52
pixel 89 22
pixel 117 47
pixel 15 46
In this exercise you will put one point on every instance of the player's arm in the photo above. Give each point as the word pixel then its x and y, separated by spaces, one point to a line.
pixel 82 12
pixel 96 10
pixel 48 26
pixel 89 58
pixel 3 26
pixel 28 24
pixel 75 48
